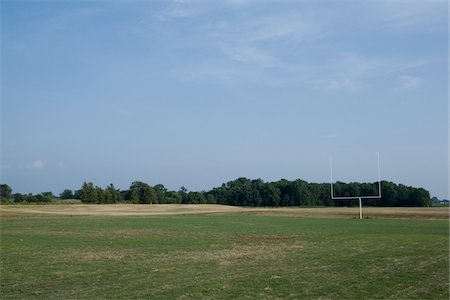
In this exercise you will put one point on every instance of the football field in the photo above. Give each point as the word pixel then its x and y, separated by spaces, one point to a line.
pixel 71 253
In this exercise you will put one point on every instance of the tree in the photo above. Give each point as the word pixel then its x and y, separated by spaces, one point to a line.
pixel 31 198
pixel 271 195
pixel 183 192
pixel 141 192
pixel 88 193
pixel 48 194
pixel 100 195
pixel 43 197
pixel 435 201
pixel 210 199
pixel 18 197
pixel 5 191
pixel 66 194
pixel 420 197
pixel 173 198
pixel 389 194
pixel 197 198
pixel 134 196
pixel 113 194
pixel 76 194
pixel 160 191
pixel 403 194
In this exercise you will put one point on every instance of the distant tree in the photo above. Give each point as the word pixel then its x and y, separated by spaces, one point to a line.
pixel 124 195
pixel 183 192
pixel 113 194
pixel 76 194
pixel 160 191
pixel 18 197
pixel 133 196
pixel 43 197
pixel 420 197
pixel 88 193
pixel 257 191
pixel 197 198
pixel 107 197
pixel 142 193
pixel 100 195
pixel 5 191
pixel 31 198
pixel 48 194
pixel 66 194
pixel 271 195
pixel 389 194
pixel 403 195
pixel 173 198
pixel 435 201
pixel 210 199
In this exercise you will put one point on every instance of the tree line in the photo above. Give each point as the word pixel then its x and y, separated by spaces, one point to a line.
pixel 239 192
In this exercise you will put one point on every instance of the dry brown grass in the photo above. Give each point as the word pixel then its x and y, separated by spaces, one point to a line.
pixel 14 211
pixel 88 255
pixel 228 257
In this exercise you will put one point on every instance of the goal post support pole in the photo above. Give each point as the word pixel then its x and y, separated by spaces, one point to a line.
pixel 360 208
pixel 359 197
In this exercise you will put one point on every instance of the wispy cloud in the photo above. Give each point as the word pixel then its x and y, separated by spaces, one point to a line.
pixel 406 15
pixel 264 40
pixel 182 9
pixel 190 8
pixel 287 46
pixel 37 164
pixel 345 84
pixel 408 82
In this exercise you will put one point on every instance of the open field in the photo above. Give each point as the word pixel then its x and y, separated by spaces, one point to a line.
pixel 437 213
pixel 99 252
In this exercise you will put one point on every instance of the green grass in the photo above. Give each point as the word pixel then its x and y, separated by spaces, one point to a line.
pixel 223 257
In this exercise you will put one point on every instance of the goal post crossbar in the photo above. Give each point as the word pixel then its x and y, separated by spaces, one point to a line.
pixel 360 197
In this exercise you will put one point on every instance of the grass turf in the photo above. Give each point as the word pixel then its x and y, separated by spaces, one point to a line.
pixel 223 257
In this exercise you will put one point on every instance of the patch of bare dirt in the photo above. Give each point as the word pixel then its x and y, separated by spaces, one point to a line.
pixel 135 233
pixel 267 238
pixel 235 254
pixel 90 255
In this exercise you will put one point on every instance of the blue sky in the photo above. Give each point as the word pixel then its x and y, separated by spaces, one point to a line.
pixel 197 93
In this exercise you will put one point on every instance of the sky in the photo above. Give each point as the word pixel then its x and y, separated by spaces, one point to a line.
pixel 197 93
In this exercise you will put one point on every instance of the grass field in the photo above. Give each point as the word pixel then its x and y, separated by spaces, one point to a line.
pixel 68 253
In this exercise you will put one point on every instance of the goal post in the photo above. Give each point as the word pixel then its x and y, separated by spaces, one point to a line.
pixel 356 197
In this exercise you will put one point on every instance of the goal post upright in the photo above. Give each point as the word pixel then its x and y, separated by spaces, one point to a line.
pixel 356 197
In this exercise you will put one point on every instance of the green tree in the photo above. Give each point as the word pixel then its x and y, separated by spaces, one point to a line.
pixel 210 199
pixel 160 191
pixel 388 193
pixel 420 197
pixel 18 197
pixel 134 196
pixel 197 198
pixel 183 192
pixel 113 194
pixel 5 191
pixel 100 195
pixel 271 195
pixel 88 193
pixel 173 198
pixel 43 197
pixel 142 193
pixel 66 194
pixel 48 194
